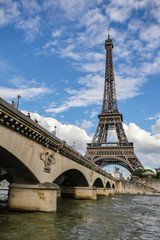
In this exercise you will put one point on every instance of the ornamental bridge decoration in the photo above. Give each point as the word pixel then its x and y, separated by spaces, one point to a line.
pixel 40 166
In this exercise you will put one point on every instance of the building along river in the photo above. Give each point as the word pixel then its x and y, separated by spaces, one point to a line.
pixel 118 217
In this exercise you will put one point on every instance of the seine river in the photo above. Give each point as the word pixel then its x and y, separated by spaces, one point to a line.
pixel 119 217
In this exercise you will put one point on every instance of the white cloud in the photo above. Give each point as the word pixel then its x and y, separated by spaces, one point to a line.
pixel 120 10
pixel 93 114
pixel 21 82
pixel 118 14
pixel 48 49
pixel 151 67
pixel 92 67
pixel 135 24
pixel 95 34
pixel 68 52
pixel 28 89
pixel 23 15
pixel 30 6
pixel 92 92
pixel 151 159
pixel 56 33
pixel 91 17
pixel 155 10
pixel 28 93
pixel 30 27
pixel 94 56
pixel 8 12
pixel 156 127
pixel 57 110
pixel 86 124
pixel 150 33
pixel 4 65
pixel 83 97
pixel 147 146
pixel 67 132
pixel 72 9
pixel 92 81
pixel 49 44
pixel 128 87
pixel 144 142
pixel 155 117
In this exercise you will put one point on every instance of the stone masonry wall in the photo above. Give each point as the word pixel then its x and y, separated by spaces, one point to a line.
pixel 134 187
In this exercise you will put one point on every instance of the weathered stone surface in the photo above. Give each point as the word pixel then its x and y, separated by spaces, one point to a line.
pixel 27 197
pixel 85 192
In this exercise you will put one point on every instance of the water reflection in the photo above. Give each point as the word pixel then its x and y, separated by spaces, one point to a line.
pixel 118 218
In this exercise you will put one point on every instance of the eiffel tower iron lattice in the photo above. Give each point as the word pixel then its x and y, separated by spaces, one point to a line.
pixel 102 151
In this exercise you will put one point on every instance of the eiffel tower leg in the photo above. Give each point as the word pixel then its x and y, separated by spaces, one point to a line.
pixel 105 134
pixel 100 134
pixel 121 133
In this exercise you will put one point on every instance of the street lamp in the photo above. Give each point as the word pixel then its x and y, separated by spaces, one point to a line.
pixel 55 129
pixel 18 96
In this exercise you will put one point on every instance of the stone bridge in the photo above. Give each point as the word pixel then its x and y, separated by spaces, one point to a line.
pixel 40 167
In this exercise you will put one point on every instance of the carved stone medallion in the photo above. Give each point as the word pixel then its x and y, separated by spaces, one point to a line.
pixel 91 175
pixel 48 160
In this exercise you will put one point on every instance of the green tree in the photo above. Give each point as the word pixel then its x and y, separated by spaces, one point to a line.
pixel 138 172
pixel 157 173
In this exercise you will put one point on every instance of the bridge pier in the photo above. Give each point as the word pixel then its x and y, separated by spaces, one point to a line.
pixel 111 191
pixel 85 193
pixel 27 197
pixel 119 186
pixel 59 192
pixel 102 192
pixel 79 192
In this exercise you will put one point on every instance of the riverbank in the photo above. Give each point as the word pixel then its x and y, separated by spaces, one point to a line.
pixel 143 194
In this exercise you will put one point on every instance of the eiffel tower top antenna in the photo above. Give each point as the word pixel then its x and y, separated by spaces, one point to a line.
pixel 108 34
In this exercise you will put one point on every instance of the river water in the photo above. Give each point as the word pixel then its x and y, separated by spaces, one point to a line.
pixel 118 217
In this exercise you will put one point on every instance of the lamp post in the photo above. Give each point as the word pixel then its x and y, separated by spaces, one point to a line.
pixel 74 145
pixel 18 96
pixel 55 129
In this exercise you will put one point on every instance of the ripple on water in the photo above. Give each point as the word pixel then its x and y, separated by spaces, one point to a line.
pixel 121 217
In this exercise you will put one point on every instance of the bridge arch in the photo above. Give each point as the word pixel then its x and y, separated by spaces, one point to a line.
pixel 113 186
pixel 71 177
pixel 16 169
pixel 98 183
pixel 103 162
pixel 6 177
pixel 108 185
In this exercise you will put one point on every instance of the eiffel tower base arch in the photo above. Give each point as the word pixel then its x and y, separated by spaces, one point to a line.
pixel 113 155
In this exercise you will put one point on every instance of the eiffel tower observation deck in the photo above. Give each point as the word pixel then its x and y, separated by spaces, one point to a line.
pixel 110 144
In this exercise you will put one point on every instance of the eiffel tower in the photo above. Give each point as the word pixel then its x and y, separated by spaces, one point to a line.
pixel 102 151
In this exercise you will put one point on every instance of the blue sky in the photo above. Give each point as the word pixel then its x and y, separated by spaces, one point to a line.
pixel 52 54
